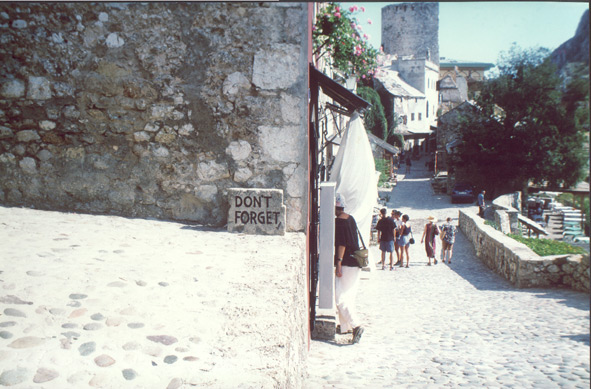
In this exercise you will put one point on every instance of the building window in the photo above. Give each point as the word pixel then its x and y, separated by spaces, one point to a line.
pixel 427 110
pixel 420 116
pixel 412 116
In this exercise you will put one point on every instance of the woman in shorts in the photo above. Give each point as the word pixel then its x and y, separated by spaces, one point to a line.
pixel 405 233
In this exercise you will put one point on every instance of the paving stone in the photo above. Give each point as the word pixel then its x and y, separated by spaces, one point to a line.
pixel 45 375
pixel 26 342
pixel 77 313
pixel 104 360
pixel 71 334
pixel 164 339
pixel 131 346
pixel 70 325
pixel 136 325
pixel 129 374
pixel 5 324
pixel 163 284
pixel 78 296
pixel 57 311
pixel 5 334
pixel 87 348
pixel 74 304
pixel 97 317
pixel 170 359
pixel 10 299
pixel 117 284
pixel 92 326
pixel 14 312
pixel 14 376
pixel 113 321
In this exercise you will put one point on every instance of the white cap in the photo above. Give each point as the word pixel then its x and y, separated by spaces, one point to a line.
pixel 340 201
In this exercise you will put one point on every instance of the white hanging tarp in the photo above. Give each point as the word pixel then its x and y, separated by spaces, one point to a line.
pixel 354 172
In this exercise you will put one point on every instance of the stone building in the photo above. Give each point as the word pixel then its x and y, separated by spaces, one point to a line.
pixel 459 81
pixel 411 29
pixel 153 109
pixel 410 34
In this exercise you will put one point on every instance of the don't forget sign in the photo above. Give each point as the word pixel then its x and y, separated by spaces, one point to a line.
pixel 256 211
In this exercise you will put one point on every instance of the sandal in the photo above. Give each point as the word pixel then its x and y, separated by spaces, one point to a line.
pixel 429 264
pixel 435 261
pixel 406 265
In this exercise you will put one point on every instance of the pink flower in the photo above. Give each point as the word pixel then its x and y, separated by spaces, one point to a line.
pixel 365 36
pixel 314 28
pixel 351 9
pixel 338 9
pixel 362 9
pixel 363 76
pixel 368 21
pixel 338 15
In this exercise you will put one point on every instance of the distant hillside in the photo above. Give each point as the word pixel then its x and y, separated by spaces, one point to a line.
pixel 575 49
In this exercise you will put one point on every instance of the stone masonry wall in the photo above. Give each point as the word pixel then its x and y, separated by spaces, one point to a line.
pixel 519 264
pixel 411 29
pixel 152 109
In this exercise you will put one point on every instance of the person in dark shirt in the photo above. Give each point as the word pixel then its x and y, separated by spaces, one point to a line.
pixel 397 224
pixel 347 270
pixel 385 228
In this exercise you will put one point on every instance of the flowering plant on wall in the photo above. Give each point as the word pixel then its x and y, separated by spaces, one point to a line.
pixel 337 34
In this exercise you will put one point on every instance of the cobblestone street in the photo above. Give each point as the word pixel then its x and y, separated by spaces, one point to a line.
pixel 457 325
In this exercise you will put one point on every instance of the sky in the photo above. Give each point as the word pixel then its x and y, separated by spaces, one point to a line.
pixel 480 31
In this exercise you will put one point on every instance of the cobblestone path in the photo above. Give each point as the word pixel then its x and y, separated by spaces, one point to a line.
pixel 457 325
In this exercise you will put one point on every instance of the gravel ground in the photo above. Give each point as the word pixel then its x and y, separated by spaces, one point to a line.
pixel 111 302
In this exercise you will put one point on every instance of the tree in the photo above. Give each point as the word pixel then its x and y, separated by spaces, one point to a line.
pixel 375 118
pixel 527 130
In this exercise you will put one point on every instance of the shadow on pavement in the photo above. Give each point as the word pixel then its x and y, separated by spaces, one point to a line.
pixel 583 338
pixel 414 195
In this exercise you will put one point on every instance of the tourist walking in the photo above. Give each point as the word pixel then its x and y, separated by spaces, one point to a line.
pixel 481 204
pixel 408 164
pixel 397 223
pixel 347 270
pixel 385 228
pixel 448 237
pixel 429 234
pixel 405 232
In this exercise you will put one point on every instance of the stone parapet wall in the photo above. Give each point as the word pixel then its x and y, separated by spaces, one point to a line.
pixel 518 263
pixel 153 109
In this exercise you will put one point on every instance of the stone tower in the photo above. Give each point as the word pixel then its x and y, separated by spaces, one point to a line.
pixel 411 29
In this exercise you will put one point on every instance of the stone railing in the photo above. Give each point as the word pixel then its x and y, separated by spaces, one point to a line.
pixel 518 263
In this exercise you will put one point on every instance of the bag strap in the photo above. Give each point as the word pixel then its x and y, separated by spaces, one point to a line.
pixel 359 233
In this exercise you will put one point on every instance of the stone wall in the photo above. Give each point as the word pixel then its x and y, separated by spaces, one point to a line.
pixel 518 263
pixel 411 29
pixel 152 109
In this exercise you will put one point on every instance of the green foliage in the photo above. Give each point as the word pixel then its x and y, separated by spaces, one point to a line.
pixel 544 247
pixel 397 139
pixel 535 138
pixel 374 119
pixel 338 34
pixel 383 166
pixel 492 224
